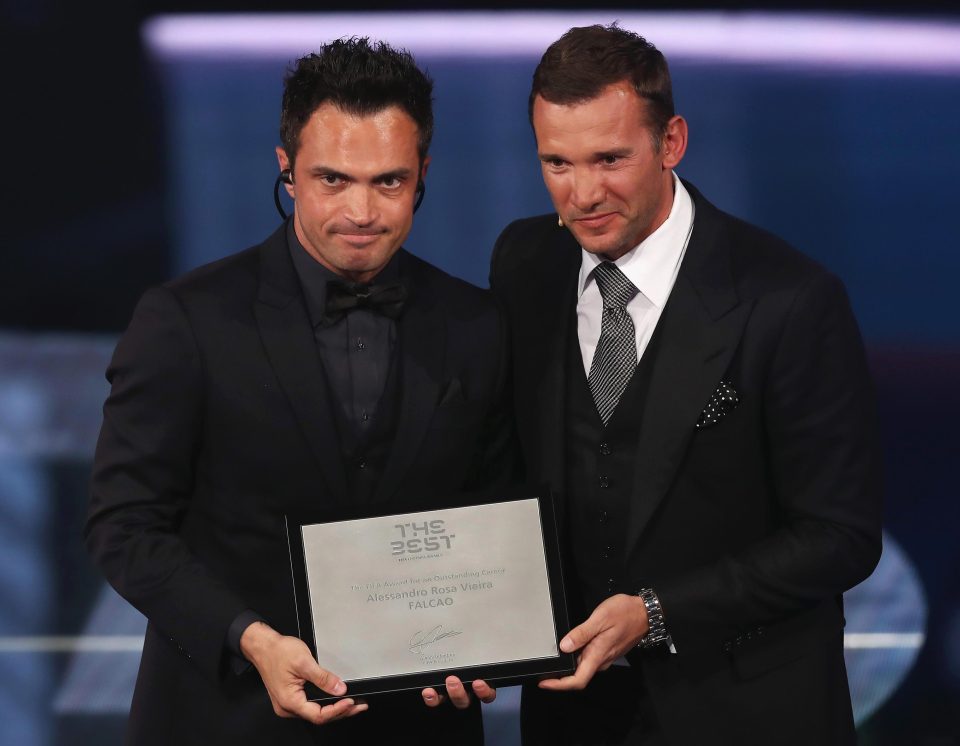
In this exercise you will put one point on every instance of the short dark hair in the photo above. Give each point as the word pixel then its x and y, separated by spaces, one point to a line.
pixel 361 79
pixel 587 59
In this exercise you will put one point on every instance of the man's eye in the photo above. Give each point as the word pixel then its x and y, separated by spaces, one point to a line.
pixel 391 183
pixel 555 163
pixel 330 179
pixel 609 160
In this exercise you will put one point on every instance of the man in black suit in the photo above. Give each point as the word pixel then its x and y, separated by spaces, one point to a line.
pixel 325 373
pixel 697 393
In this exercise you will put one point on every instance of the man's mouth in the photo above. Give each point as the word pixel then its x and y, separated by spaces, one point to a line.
pixel 360 238
pixel 595 221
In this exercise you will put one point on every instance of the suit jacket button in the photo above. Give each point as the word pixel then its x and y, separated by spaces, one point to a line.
pixel 604 482
pixel 727 647
pixel 605 449
pixel 604 516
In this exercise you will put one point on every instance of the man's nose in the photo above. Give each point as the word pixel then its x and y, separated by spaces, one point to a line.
pixel 588 192
pixel 361 205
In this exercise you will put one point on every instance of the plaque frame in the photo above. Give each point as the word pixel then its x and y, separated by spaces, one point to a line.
pixel 495 673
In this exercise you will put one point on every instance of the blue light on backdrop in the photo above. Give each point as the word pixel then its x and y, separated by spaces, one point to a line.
pixel 806 125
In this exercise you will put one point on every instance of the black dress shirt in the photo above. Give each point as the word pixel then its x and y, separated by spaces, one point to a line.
pixel 356 352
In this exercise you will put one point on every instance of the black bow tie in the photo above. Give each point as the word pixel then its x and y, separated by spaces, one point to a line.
pixel 343 297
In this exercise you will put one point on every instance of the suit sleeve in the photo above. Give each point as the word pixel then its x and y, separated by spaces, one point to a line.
pixel 496 259
pixel 498 460
pixel 824 471
pixel 143 480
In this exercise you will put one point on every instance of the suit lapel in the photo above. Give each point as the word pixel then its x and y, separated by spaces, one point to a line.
pixel 422 347
pixel 700 329
pixel 288 338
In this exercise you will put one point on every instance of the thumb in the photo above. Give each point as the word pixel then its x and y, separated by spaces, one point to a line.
pixel 325 680
pixel 579 636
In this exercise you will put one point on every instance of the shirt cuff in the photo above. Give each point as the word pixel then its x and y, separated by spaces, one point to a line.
pixel 239 664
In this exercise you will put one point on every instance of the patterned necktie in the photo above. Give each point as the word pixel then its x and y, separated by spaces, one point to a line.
pixel 616 356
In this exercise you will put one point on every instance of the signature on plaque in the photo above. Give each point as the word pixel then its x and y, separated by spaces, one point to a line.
pixel 424 638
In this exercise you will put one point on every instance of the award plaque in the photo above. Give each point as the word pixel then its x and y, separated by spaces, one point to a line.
pixel 402 601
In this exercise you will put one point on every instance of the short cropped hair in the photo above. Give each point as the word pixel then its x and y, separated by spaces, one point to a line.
pixel 585 60
pixel 360 78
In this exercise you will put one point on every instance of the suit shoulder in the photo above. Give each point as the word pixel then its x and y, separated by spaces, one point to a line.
pixel 223 275
pixel 453 293
pixel 227 285
pixel 527 244
pixel 524 234
pixel 766 262
pixel 529 228
pixel 759 260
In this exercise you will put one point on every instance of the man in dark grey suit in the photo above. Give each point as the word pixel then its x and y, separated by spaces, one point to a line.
pixel 325 373
pixel 697 393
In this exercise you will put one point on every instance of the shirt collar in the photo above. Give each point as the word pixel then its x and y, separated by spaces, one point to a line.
pixel 651 265
pixel 314 276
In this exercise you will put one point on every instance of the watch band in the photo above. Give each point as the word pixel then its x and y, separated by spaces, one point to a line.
pixel 657 633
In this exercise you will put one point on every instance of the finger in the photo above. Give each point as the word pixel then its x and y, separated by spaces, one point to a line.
pixel 579 635
pixel 485 693
pixel 432 698
pixel 338 711
pixel 319 714
pixel 357 709
pixel 459 696
pixel 586 668
pixel 325 680
pixel 566 684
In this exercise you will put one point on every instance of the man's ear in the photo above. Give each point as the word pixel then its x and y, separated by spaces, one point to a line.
pixel 421 188
pixel 284 162
pixel 673 144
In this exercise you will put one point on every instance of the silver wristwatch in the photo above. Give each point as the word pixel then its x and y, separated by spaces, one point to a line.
pixel 657 632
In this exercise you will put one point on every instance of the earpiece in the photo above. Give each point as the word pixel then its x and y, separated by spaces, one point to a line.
pixel 285 177
pixel 421 191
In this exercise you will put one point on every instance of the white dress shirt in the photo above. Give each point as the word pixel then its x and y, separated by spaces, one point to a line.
pixel 652 266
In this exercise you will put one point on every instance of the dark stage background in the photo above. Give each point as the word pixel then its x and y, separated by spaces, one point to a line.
pixel 139 143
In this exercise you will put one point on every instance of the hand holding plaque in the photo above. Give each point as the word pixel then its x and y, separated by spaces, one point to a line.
pixel 613 629
pixel 399 602
pixel 460 693
pixel 285 664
